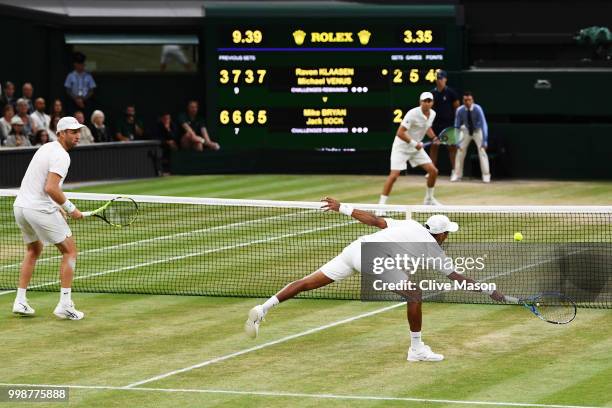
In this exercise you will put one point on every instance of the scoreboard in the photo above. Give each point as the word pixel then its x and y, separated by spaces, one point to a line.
pixel 319 79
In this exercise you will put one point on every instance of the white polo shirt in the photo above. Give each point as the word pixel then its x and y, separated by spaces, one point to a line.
pixel 417 123
pixel 401 231
pixel 50 158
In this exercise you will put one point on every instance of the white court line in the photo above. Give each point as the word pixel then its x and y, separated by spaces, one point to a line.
pixel 261 346
pixel 298 395
pixel 164 237
pixel 180 257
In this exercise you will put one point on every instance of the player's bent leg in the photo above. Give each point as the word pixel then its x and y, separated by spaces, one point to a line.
pixel 313 281
pixel 33 251
pixel 418 350
pixel 433 153
pixel 391 179
pixel 65 309
pixel 21 305
pixel 432 171
pixel 256 314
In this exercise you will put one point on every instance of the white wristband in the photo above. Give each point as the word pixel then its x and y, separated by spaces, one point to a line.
pixel 346 209
pixel 69 207
pixel 413 143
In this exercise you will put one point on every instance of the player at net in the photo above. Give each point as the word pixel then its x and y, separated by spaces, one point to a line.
pixel 435 230
pixel 40 211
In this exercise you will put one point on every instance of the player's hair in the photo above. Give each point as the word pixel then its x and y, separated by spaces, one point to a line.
pixel 468 93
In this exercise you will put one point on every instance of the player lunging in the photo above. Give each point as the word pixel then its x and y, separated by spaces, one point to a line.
pixel 39 210
pixel 407 146
pixel 436 229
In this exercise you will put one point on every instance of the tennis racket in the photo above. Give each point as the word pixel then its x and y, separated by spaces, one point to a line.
pixel 551 307
pixel 118 212
pixel 449 136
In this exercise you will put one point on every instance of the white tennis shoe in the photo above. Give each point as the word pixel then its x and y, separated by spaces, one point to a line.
pixel 455 177
pixel 67 311
pixel 423 353
pixel 486 178
pixel 21 307
pixel 251 326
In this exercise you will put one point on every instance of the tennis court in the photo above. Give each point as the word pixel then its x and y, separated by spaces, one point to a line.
pixel 190 350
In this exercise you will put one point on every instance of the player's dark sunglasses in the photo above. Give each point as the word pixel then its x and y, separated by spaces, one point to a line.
pixel 427 100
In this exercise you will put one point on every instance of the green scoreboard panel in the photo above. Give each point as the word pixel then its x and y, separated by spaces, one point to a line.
pixel 335 78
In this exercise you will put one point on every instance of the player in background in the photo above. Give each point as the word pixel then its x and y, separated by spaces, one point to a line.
pixel 446 102
pixel 470 119
pixel 40 209
pixel 435 230
pixel 407 146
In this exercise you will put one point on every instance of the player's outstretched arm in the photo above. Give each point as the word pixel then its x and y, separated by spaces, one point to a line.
pixel 495 295
pixel 360 215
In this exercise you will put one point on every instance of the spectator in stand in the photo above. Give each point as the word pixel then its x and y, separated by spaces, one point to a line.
pixel 129 128
pixel 195 136
pixel 8 95
pixel 53 127
pixel 22 112
pixel 80 85
pixel 169 134
pixel 5 123
pixel 27 92
pixel 57 109
pixel 41 137
pixel 17 136
pixel 99 130
pixel 40 120
pixel 86 136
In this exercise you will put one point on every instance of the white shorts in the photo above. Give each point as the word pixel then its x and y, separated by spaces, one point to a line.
pixel 345 264
pixel 403 152
pixel 50 228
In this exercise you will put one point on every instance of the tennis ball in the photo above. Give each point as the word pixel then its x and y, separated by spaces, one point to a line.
pixel 518 236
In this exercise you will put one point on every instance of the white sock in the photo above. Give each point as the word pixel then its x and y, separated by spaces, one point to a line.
pixel 383 199
pixel 65 295
pixel 415 340
pixel 429 192
pixel 270 303
pixel 21 295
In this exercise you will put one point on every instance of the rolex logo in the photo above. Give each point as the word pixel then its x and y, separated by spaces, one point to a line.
pixel 299 36
pixel 364 37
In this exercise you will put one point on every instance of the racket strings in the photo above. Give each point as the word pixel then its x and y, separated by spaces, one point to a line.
pixel 121 212
pixel 555 309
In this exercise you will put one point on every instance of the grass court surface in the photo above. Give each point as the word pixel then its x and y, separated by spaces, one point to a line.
pixel 168 351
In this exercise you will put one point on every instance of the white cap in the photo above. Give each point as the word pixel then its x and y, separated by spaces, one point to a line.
pixel 437 224
pixel 426 95
pixel 16 120
pixel 68 122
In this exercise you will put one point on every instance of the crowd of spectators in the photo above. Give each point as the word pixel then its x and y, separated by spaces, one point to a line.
pixel 26 121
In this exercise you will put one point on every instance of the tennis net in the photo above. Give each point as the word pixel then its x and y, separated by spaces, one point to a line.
pixel 221 247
